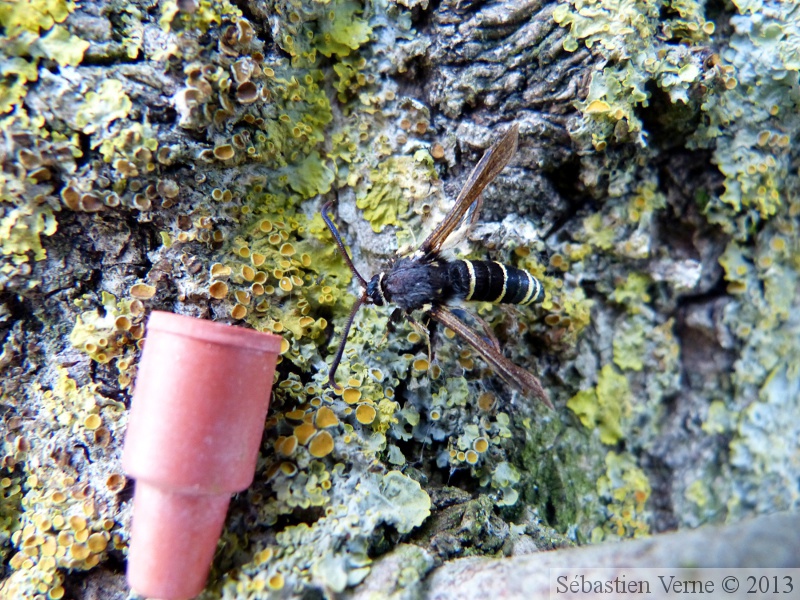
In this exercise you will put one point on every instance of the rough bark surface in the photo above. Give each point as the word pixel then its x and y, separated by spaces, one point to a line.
pixel 653 193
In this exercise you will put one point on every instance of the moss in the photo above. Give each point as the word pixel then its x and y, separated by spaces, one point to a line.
pixel 558 483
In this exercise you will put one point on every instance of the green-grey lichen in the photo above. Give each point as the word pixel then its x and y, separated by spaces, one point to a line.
pixel 751 124
pixel 604 406
pixel 743 103
pixel 334 551
pixel 385 195
pixel 625 489
pixel 633 37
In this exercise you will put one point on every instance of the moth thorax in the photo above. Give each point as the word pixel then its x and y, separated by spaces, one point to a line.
pixel 375 290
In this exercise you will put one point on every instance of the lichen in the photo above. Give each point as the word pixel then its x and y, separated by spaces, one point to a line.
pixel 738 105
pixel 332 553
pixel 625 490
pixel 396 182
pixel 206 14
pixel 111 333
pixel 605 406
pixel 102 106
pixel 748 124
pixel 641 47
pixel 32 33
pixel 33 153
pixel 68 517
pixel 21 229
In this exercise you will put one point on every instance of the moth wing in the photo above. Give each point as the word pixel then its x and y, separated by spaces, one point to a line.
pixel 512 374
pixel 493 161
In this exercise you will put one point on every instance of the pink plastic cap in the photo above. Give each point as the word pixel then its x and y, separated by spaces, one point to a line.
pixel 195 426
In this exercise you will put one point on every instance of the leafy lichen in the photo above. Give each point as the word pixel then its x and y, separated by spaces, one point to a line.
pixel 625 488
pixel 67 519
pixel 385 196
pixel 742 105
pixel 33 153
pixel 747 123
pixel 230 196
pixel 604 406
pixel 641 47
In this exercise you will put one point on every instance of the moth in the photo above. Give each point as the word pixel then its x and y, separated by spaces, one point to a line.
pixel 428 281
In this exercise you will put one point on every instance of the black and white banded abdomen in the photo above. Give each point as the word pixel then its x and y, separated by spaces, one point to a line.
pixel 489 281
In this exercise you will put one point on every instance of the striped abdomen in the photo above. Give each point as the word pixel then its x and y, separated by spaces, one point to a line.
pixel 490 281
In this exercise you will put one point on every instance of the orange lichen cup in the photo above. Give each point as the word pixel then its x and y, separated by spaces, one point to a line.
pixel 197 415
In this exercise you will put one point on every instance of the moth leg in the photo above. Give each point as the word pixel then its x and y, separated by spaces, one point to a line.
pixel 394 318
pixel 422 331
pixel 433 331
pixel 516 376
pixel 345 332
pixel 486 329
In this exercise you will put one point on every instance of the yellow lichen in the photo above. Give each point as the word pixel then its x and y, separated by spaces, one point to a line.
pixel 351 395
pixel 218 290
pixel 326 418
pixel 142 291
pixel 304 432
pixel 321 444
pixel 365 414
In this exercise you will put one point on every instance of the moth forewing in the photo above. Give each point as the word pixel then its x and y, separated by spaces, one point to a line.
pixel 494 160
pixel 512 374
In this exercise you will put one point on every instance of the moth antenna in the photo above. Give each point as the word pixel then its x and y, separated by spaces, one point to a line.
pixel 340 351
pixel 335 232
